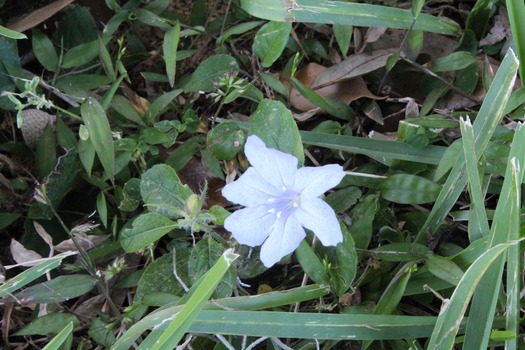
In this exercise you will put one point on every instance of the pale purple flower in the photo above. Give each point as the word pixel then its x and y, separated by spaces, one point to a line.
pixel 279 201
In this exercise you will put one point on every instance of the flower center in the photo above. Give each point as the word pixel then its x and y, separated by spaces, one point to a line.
pixel 286 202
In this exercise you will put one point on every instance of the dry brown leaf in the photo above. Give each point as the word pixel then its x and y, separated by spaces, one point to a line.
pixel 372 35
pixel 24 256
pixel 86 241
pixel 43 233
pixel 345 91
pixel 140 104
pixel 38 16
pixel 500 30
pixel 351 67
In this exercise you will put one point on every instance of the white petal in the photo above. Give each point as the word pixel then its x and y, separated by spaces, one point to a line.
pixel 319 217
pixel 250 226
pixel 250 189
pixel 276 167
pixel 284 239
pixel 314 181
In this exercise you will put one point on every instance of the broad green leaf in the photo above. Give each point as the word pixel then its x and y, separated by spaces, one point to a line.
pixel 343 36
pixel 146 229
pixel 8 57
pixel 124 107
pixel 49 324
pixel 163 192
pixel 348 13
pixel 202 258
pixel 343 263
pixel 226 140
pixel 44 50
pixel 130 195
pixel 59 289
pixel 45 154
pixel 185 152
pixel 400 252
pixel 160 104
pixel 160 275
pixel 100 136
pixel 86 81
pixel 270 41
pixel 274 124
pixel 454 61
pixel 101 332
pixel 82 54
pixel 409 189
pixel 8 33
pixel 363 215
pixel 169 49
pixel 311 264
pixel 444 268
pixel 7 219
pixel 341 200
pixel 210 72
pixel 240 28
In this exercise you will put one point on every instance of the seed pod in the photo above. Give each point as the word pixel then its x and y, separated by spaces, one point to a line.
pixel 34 122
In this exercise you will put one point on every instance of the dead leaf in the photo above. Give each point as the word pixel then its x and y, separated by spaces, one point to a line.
pixel 38 16
pixel 351 67
pixel 140 104
pixel 24 256
pixel 86 241
pixel 372 35
pixel 345 91
pixel 500 30
pixel 43 233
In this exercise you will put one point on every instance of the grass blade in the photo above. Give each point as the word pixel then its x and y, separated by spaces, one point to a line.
pixel 60 338
pixel 347 13
pixel 516 11
pixel 505 226
pixel 388 150
pixel 478 225
pixel 488 118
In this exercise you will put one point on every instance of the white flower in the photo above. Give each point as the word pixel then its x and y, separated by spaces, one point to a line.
pixel 279 201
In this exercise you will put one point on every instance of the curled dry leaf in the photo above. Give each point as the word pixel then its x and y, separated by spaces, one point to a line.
pixel 500 30
pixel 38 16
pixel 343 90
pixel 24 256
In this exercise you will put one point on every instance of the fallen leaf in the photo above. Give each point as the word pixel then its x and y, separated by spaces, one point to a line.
pixel 500 30
pixel 345 91
pixel 85 241
pixel 38 16
pixel 24 256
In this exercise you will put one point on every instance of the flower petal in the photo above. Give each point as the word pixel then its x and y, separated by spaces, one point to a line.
pixel 314 181
pixel 319 217
pixel 250 226
pixel 250 189
pixel 276 167
pixel 284 239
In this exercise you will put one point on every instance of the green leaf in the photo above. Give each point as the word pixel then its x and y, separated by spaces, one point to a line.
pixel 64 339
pixel 311 264
pixel 169 48
pixel 159 105
pixel 343 36
pixel 341 200
pixel 208 74
pixel 202 258
pixel 444 269
pixel 100 136
pixel 226 140
pixel 105 59
pixel 49 324
pixel 147 228
pixel 363 216
pixel 8 33
pixel 44 51
pixel 409 189
pixel 57 290
pixel 274 124
pixel 124 107
pixel 7 219
pixel 45 154
pixel 343 266
pixel 159 275
pixel 454 61
pixel 163 192
pixel 270 41
pixel 348 13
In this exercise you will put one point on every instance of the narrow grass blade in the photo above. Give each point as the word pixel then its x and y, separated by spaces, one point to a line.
pixel 60 338
pixel 32 274
pixel 181 321
pixel 169 49
pixel 505 226
pixel 516 11
pixel 347 13
pixel 388 150
pixel 478 225
pixel 513 263
pixel 488 118
pixel 247 303
pixel 12 34
pixel 453 310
